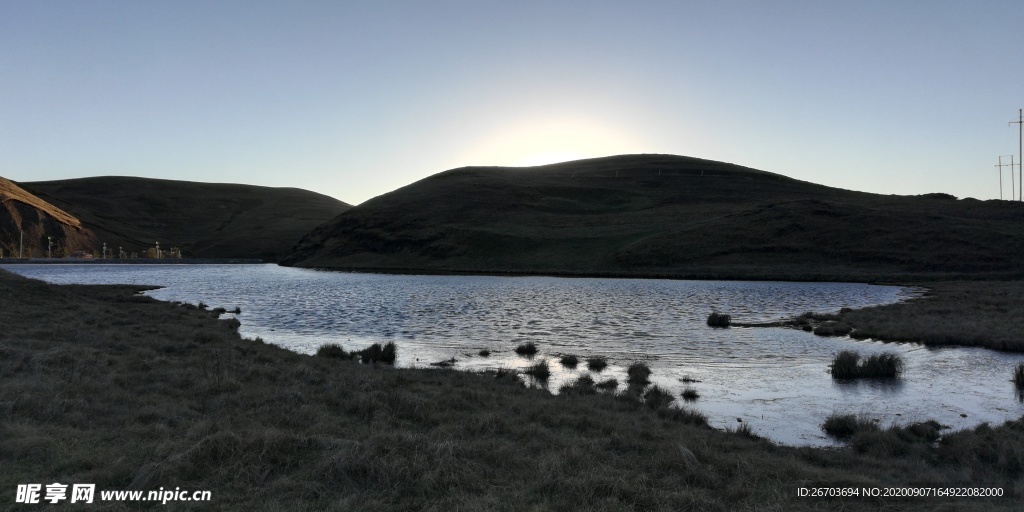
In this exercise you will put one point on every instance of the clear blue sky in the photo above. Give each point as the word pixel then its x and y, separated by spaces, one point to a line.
pixel 354 99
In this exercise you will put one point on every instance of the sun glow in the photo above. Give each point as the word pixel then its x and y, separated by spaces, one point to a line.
pixel 528 144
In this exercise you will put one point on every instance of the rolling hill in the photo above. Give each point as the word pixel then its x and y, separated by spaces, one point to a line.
pixel 665 216
pixel 204 220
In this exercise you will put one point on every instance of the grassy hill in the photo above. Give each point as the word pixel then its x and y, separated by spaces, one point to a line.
pixel 664 215
pixel 27 220
pixel 210 220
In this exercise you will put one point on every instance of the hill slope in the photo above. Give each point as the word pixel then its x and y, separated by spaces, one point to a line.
pixel 664 215
pixel 209 220
pixel 27 220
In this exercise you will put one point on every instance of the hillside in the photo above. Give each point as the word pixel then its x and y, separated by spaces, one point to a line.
pixel 664 215
pixel 207 220
pixel 27 220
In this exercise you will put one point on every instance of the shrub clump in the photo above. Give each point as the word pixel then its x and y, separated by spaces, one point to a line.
pixel 527 349
pixel 849 365
pixel 689 394
pixel 638 373
pixel 569 361
pixel 596 363
pixel 719 319
pixel 608 385
pixel 484 353
pixel 332 351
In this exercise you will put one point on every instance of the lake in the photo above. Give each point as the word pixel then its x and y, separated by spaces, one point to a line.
pixel 774 379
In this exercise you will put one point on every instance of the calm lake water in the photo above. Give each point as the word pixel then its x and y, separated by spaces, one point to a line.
pixel 774 379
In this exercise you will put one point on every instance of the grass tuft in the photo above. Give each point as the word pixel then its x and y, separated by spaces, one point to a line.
pixel 540 371
pixel 332 351
pixel 569 361
pixel 527 349
pixel 657 398
pixel 596 363
pixel 638 373
pixel 689 394
pixel 1018 376
pixel 849 365
pixel 377 353
pixel 484 353
pixel 584 385
pixel 844 426
pixel 608 385
pixel 717 319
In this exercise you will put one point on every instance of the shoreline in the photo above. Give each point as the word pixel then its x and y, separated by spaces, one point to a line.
pixel 135 261
pixel 156 394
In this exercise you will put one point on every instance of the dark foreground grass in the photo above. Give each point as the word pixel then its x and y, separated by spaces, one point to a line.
pixel 1018 376
pixel 98 385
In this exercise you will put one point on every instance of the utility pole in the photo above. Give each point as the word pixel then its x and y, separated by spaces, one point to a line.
pixel 1000 165
pixel 49 247
pixel 1020 147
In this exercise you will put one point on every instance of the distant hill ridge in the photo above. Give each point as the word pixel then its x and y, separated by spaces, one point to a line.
pixel 203 220
pixel 665 216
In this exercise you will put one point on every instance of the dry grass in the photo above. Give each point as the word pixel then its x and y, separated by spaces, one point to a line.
pixel 99 385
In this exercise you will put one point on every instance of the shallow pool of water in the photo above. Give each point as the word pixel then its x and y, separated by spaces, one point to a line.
pixel 774 379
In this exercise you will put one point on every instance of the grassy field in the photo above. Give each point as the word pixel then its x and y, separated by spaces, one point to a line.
pixel 667 216
pixel 204 220
pixel 101 385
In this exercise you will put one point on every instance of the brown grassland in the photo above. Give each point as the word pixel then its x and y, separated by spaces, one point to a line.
pixel 101 385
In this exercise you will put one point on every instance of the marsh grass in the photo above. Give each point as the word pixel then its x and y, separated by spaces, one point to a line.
pixel 844 426
pixel 584 385
pixel 527 349
pixel 597 363
pixel 849 365
pixel 608 385
pixel 569 361
pixel 143 404
pixel 657 397
pixel 1018 376
pixel 717 319
pixel 484 353
pixel 689 394
pixel 972 313
pixel 332 351
pixel 386 353
pixel 638 373
pixel 832 328
pixel 540 371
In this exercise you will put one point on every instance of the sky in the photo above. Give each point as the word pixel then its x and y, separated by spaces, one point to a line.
pixel 354 99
